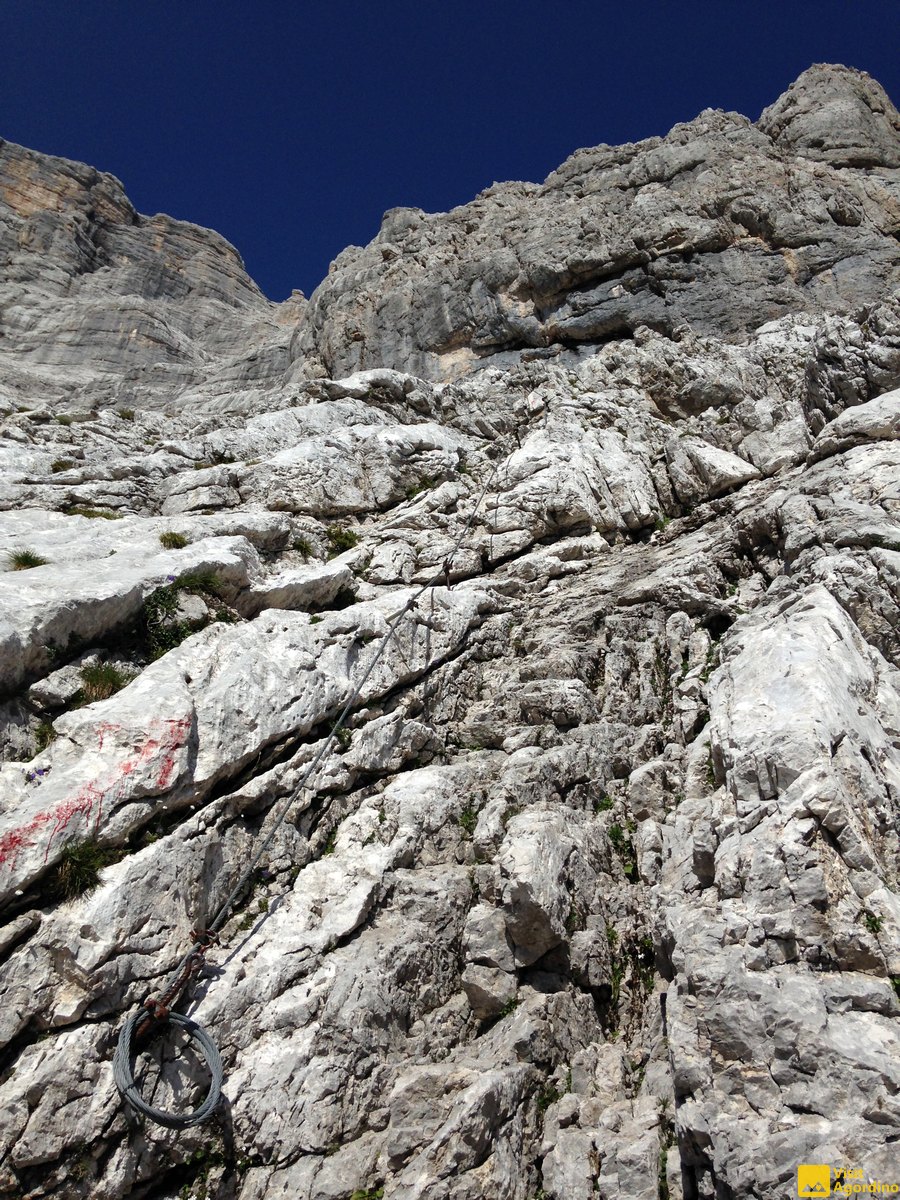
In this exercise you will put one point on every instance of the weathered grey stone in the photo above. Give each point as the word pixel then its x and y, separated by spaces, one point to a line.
pixel 596 890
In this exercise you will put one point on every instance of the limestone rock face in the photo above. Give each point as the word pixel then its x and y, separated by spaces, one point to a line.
pixel 101 302
pixel 837 116
pixel 721 225
pixel 585 497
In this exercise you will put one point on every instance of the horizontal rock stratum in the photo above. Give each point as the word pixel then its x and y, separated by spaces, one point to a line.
pixel 596 895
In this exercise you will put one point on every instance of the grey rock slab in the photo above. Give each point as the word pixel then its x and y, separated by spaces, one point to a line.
pixel 197 715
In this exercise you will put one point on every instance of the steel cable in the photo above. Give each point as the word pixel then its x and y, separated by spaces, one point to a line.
pixel 125 1052
pixel 123 1071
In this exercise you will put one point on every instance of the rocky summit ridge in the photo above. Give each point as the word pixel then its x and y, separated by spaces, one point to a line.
pixel 597 893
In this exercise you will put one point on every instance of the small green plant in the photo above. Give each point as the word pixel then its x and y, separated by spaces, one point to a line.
pixel 252 915
pixel 617 838
pixel 661 522
pixel 43 736
pixel 126 414
pixel 468 819
pixel 710 772
pixel 416 489
pixel 509 1007
pixel 78 870
pixel 895 984
pixel 372 1193
pixel 343 737
pixel 662 1180
pixel 872 923
pixel 711 663
pixel 330 843
pixel 81 1167
pixel 303 546
pixel 77 510
pixel 204 579
pixel 509 812
pixel 546 1096
pixel 624 848
pixel 61 464
pixel 603 803
pixel 170 540
pixel 643 957
pixel 315 619
pixel 161 630
pixel 612 937
pixel 22 560
pixel 101 680
pixel 63 419
pixel 340 539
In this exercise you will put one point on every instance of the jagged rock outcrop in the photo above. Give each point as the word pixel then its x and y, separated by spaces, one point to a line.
pixel 597 892
pixel 102 304
pixel 720 226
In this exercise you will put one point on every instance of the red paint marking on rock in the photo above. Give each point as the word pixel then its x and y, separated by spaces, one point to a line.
pixel 89 799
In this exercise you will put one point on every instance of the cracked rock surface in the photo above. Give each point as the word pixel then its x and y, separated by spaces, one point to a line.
pixel 596 894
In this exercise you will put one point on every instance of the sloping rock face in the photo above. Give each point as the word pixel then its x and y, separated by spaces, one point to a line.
pixel 597 892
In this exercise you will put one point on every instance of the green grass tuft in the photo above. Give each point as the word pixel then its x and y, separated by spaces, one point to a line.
pixel 547 1096
pixel 872 923
pixel 43 736
pixel 102 680
pixel 61 464
pixel 161 631
pixel 624 848
pixel 340 539
pixel 203 580
pixel 423 485
pixel 468 819
pixel 78 870
pixel 127 414
pixel 173 541
pixel 22 560
pixel 77 510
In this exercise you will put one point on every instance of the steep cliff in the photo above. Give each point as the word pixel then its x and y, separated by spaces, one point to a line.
pixel 596 894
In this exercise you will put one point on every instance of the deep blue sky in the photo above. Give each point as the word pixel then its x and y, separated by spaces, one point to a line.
pixel 291 125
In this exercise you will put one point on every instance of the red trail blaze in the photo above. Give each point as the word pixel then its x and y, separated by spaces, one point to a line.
pixel 87 803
